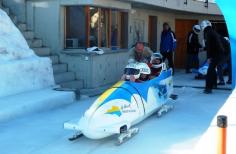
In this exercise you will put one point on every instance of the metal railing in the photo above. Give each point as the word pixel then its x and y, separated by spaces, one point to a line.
pixel 206 2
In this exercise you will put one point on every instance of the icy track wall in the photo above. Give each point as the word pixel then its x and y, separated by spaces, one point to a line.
pixel 228 9
pixel 20 69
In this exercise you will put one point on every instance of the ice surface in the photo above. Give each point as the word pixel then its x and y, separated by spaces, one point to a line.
pixel 175 133
pixel 209 140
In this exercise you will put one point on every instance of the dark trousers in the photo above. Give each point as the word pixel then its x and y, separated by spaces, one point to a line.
pixel 192 61
pixel 211 77
pixel 220 72
pixel 230 69
pixel 169 57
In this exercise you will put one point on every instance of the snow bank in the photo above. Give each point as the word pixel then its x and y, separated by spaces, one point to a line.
pixel 20 69
pixel 13 46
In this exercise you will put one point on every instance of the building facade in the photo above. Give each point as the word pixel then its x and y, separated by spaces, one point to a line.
pixel 68 27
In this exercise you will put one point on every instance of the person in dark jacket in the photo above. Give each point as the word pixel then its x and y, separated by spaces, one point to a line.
pixel 227 58
pixel 168 44
pixel 193 46
pixel 215 54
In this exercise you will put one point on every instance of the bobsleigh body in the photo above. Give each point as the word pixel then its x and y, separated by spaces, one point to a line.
pixel 123 105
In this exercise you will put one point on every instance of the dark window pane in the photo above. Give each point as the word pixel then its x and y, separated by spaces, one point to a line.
pixel 124 30
pixel 75 27
pixel 104 27
pixel 114 29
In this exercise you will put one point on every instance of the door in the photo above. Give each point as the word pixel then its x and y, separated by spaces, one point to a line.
pixel 152 33
pixel 182 28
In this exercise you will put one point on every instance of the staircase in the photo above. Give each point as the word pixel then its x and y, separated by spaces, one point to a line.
pixel 62 76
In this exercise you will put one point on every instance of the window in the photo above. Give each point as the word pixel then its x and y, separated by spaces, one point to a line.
pixel 115 35
pixel 75 27
pixel 91 26
pixel 119 30
pixel 104 28
pixel 94 23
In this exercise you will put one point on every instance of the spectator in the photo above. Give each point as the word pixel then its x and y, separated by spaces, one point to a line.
pixel 226 59
pixel 193 46
pixel 215 52
pixel 168 44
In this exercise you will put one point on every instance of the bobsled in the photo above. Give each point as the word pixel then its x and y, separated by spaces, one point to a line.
pixel 121 107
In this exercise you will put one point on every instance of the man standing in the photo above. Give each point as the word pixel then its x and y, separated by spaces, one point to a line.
pixel 215 53
pixel 168 44
pixel 193 46
pixel 226 45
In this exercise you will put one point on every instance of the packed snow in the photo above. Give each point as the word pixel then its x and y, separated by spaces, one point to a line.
pixel 175 133
pixel 13 45
pixel 20 69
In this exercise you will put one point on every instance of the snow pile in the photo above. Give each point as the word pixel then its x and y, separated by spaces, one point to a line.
pixel 12 44
pixel 20 69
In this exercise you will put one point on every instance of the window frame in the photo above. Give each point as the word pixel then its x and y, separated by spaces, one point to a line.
pixel 108 29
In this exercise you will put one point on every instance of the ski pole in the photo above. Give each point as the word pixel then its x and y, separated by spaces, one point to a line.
pixel 222 132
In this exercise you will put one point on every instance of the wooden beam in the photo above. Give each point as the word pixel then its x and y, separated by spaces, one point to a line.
pixel 87 13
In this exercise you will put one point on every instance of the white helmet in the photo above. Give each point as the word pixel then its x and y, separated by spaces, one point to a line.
pixel 204 24
pixel 144 68
pixel 196 29
pixel 154 62
pixel 132 69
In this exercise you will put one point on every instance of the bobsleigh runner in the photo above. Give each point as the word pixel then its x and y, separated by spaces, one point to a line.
pixel 124 105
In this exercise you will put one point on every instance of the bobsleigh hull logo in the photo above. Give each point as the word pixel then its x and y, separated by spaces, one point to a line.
pixel 161 90
pixel 115 110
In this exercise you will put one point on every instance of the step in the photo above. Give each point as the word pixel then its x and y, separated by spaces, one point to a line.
pixel 23 104
pixel 22 27
pixel 44 51
pixel 64 77
pixel 7 10
pixel 59 68
pixel 28 35
pixel 55 59
pixel 94 91
pixel 76 84
pixel 13 18
pixel 35 43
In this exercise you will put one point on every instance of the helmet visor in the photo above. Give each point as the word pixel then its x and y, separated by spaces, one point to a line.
pixel 131 71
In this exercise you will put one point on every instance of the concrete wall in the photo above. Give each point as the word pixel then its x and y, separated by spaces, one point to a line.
pixel 102 3
pixel 192 6
pixel 162 16
pixel 44 19
pixel 97 70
